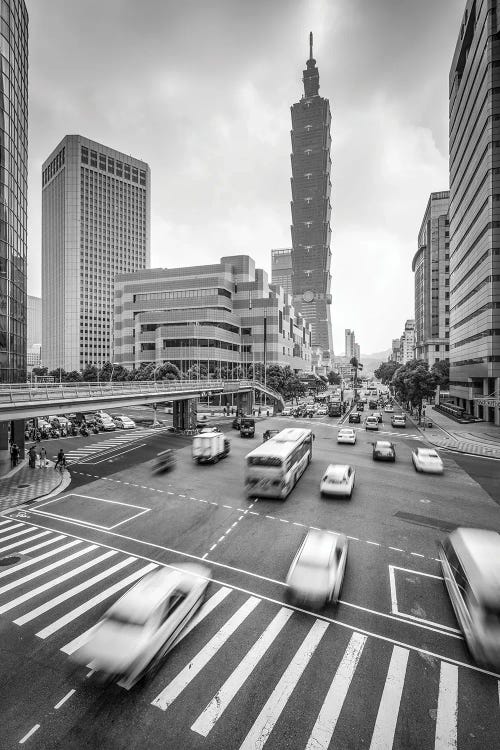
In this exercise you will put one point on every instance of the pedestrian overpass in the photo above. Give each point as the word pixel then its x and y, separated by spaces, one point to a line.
pixel 19 401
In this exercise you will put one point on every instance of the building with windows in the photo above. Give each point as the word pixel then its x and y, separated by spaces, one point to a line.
pixel 357 352
pixel 223 319
pixel 407 348
pixel 281 268
pixel 311 209
pixel 13 189
pixel 474 212
pixel 350 344
pixel 95 224
pixel 34 333
pixel 431 266
pixel 396 350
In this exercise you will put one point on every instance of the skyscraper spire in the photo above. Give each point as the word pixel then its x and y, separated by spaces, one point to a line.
pixel 311 75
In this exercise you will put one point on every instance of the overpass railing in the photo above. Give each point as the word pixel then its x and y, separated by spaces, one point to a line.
pixel 13 393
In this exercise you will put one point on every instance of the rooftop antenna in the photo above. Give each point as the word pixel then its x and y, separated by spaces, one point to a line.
pixel 310 45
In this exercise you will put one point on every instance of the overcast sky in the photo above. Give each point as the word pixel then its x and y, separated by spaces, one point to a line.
pixel 202 91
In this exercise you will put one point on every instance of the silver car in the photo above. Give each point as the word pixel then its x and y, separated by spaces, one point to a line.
pixel 317 571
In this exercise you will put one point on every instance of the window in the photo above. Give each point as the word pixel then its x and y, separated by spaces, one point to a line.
pixel 436 347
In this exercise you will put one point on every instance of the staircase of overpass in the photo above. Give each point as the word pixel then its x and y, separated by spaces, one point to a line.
pixel 26 400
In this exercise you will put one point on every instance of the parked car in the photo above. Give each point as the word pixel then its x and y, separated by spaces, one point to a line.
pixel 316 574
pixel 371 423
pixel 105 423
pixel 145 623
pixel 338 479
pixel 427 460
pixel 164 461
pixel 124 422
pixel 346 435
pixel 355 417
pixel 322 411
pixel 287 412
pixel 383 450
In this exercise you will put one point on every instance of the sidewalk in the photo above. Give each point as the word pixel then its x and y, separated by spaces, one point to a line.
pixel 475 438
pixel 24 485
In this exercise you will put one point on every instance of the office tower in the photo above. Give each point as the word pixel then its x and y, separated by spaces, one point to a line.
pixel 13 189
pixel 223 318
pixel 34 332
pixel 474 212
pixel 95 224
pixel 281 268
pixel 431 266
pixel 311 209
pixel 396 350
pixel 357 352
pixel 408 342
pixel 350 341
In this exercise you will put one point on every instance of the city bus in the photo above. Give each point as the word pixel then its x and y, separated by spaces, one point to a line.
pixel 273 469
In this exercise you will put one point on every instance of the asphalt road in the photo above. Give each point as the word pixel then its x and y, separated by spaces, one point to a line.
pixel 386 668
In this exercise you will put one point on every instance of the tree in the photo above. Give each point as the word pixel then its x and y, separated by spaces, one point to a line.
pixel 441 371
pixel 413 382
pixel 40 371
pixel 385 371
pixel 334 378
pixel 168 371
pixel 90 373
pixel 59 374
pixel 73 377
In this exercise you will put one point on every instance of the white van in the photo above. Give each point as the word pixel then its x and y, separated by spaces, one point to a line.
pixel 470 561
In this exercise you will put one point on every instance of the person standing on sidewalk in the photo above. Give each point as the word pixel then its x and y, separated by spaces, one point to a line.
pixel 32 457
pixel 61 460
pixel 14 454
pixel 43 458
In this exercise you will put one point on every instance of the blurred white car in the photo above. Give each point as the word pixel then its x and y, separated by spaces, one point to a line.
pixel 338 479
pixel 388 409
pixel 322 411
pixel 346 435
pixel 287 412
pixel 427 460
pixel 145 623
pixel 124 423
pixel 317 571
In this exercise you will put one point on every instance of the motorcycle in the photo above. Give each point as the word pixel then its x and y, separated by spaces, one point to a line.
pixel 55 433
pixel 95 429
pixel 84 431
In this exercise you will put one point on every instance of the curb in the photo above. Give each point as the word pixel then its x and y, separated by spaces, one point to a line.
pixel 448 448
pixel 40 496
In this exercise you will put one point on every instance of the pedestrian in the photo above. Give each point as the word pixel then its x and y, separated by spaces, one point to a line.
pixel 43 457
pixel 259 411
pixel 14 454
pixel 32 457
pixel 61 460
pixel 268 412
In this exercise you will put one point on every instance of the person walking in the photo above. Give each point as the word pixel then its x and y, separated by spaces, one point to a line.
pixel 14 454
pixel 43 458
pixel 32 457
pixel 61 460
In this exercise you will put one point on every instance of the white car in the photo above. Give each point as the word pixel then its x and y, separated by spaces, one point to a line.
pixel 105 423
pixel 145 623
pixel 338 479
pixel 124 423
pixel 371 423
pixel 346 435
pixel 427 460
pixel 287 412
pixel 388 409
pixel 322 411
pixel 317 571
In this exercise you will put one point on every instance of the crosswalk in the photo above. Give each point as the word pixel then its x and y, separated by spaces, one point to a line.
pixel 86 453
pixel 250 663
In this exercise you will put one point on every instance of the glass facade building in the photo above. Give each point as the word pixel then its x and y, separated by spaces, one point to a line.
pixel 14 188
pixel 311 209
pixel 474 212
pixel 281 268
pixel 431 266
pixel 95 224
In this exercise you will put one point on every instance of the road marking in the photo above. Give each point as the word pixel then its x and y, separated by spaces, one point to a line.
pixel 37 573
pixel 375 543
pixel 24 541
pixel 396 549
pixel 214 710
pixel 264 723
pixel 387 716
pixel 330 710
pixel 446 721
pixel 416 554
pixel 27 736
pixel 190 671
pixel 63 700
pixel 39 558
pixel 73 591
pixel 10 528
pixel 17 534
pixel 72 646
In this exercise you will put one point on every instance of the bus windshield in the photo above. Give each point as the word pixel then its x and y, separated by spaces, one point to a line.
pixel 264 461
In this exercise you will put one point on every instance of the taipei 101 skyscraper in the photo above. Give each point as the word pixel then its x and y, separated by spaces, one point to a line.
pixel 311 208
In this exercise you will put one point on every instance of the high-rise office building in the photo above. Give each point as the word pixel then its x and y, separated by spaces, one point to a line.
pixel 13 189
pixel 311 209
pixel 350 342
pixel 474 212
pixel 95 224
pixel 281 268
pixel 408 342
pixel 431 266
pixel 357 352
pixel 34 333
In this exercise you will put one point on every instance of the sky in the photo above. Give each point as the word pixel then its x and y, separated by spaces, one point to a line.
pixel 202 90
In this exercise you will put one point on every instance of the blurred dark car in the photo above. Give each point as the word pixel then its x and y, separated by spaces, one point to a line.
pixel 269 434
pixel 383 450
pixel 360 406
pixel 355 416
pixel 203 428
pixel 165 461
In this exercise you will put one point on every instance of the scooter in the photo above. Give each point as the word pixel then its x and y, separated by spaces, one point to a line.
pixel 84 430
pixel 95 429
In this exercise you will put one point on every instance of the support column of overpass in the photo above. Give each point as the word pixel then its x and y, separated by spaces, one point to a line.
pixel 245 402
pixel 185 414
pixel 16 427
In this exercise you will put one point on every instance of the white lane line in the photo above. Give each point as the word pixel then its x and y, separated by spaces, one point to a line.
pixel 63 700
pixel 41 544
pixel 37 573
pixel 396 549
pixel 11 528
pixel 214 710
pixel 27 736
pixel 17 534
pixel 34 560
pixel 416 554
pixel 264 723
pixel 374 543
pixel 23 541
pixel 388 710
pixel 50 585
pixel 446 721
pixel 72 646
pixel 330 710
pixel 212 547
pixel 2 523
pixel 179 683
pixel 392 585
pixel 73 591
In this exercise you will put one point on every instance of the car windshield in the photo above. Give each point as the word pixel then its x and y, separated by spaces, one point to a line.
pixel 118 617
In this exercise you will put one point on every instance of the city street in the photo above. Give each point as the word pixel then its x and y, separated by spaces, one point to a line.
pixel 386 668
